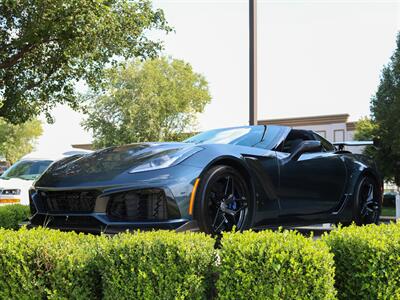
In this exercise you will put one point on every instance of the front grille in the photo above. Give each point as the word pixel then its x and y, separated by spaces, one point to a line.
pixel 69 201
pixel 140 205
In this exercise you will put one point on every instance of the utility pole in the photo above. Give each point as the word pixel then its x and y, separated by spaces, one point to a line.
pixel 253 62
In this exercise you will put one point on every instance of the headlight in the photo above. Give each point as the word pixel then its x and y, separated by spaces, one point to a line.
pixel 11 192
pixel 165 159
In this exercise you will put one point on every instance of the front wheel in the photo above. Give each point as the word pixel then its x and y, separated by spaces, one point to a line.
pixel 367 208
pixel 223 201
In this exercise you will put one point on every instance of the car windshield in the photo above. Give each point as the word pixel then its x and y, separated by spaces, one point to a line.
pixel 26 169
pixel 264 137
pixel 244 136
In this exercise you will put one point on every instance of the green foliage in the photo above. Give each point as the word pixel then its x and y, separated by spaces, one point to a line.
pixel 18 140
pixel 158 265
pixel 385 112
pixel 274 265
pixel 48 46
pixel 155 100
pixel 12 215
pixel 366 130
pixel 47 264
pixel 367 261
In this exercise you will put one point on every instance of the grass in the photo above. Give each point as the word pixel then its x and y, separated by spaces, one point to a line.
pixel 388 212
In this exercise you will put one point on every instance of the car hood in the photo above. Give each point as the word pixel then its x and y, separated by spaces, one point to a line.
pixel 106 164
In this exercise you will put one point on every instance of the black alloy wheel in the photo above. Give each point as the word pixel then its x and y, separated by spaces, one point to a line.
pixel 222 201
pixel 368 204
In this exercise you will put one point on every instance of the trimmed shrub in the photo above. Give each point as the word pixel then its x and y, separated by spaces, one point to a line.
pixel 367 261
pixel 274 265
pixel 48 264
pixel 12 215
pixel 158 265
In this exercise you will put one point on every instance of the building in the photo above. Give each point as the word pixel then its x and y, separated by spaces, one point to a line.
pixel 83 146
pixel 335 128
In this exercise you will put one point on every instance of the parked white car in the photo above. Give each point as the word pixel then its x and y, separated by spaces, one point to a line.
pixel 18 179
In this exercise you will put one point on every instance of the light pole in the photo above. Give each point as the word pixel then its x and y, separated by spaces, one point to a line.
pixel 253 62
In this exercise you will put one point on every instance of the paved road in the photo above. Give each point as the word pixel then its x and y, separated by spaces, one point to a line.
pixel 319 229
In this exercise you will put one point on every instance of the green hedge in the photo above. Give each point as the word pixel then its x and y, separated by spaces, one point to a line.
pixel 158 265
pixel 46 264
pixel 12 215
pixel 274 265
pixel 367 261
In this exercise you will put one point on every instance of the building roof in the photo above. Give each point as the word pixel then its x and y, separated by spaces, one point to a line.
pixel 83 146
pixel 290 122
pixel 351 126
pixel 307 121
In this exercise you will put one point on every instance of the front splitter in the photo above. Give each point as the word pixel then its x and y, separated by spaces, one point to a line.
pixel 58 223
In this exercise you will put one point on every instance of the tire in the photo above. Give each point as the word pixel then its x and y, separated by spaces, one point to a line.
pixel 367 204
pixel 223 201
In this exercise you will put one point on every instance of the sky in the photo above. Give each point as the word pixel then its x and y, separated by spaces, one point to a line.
pixel 314 58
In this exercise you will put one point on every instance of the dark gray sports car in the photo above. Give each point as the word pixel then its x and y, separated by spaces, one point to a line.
pixel 247 177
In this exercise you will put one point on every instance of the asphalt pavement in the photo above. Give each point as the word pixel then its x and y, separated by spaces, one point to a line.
pixel 320 229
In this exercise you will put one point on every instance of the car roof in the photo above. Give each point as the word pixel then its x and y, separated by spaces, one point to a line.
pixel 54 155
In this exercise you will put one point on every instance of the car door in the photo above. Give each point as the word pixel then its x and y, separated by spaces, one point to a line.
pixel 313 182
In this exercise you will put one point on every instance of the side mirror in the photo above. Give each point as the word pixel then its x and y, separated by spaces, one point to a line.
pixel 305 147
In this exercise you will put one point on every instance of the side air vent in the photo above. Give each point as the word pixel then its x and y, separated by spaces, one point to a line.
pixel 139 205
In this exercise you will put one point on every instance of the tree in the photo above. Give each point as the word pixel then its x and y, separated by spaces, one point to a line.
pixel 366 130
pixel 385 119
pixel 47 46
pixel 18 140
pixel 155 100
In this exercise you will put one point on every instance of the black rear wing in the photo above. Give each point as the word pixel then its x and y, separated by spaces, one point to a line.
pixel 341 145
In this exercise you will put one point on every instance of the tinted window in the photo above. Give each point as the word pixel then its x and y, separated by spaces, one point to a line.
pixel 328 147
pixel 244 136
pixel 295 138
pixel 27 169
